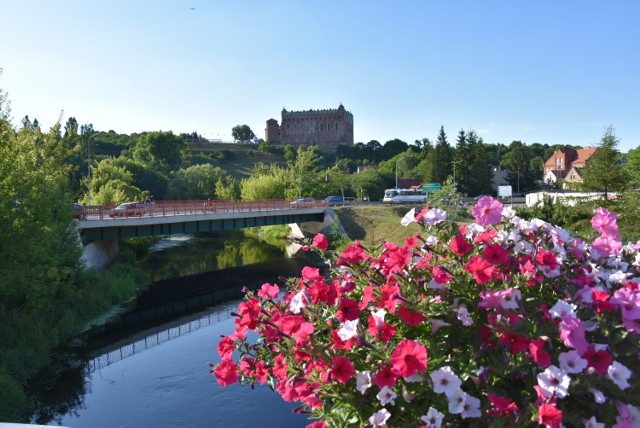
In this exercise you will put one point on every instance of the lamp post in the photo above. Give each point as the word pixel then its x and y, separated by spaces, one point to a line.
pixel 397 171
pixel 454 173
pixel 89 169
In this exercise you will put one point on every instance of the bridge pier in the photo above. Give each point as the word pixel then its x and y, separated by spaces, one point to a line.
pixel 98 254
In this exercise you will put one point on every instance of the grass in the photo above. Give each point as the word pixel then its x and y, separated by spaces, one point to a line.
pixel 372 224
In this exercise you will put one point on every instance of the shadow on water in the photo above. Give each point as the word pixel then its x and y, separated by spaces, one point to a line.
pixel 174 310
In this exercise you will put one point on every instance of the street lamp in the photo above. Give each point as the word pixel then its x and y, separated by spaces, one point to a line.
pixel 454 173
pixel 89 168
pixel 398 160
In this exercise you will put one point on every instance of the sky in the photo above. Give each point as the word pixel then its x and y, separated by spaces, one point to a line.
pixel 549 72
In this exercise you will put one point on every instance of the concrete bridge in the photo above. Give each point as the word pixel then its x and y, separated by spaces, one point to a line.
pixel 101 226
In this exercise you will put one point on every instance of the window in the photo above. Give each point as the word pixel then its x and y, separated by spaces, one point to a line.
pixel 336 126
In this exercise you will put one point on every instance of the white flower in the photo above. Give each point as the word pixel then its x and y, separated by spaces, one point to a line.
pixel 379 418
pixel 409 217
pixel 436 324
pixel 554 381
pixel 433 418
pixel 508 212
pixel 298 303
pixel 435 216
pixel 431 240
pixel 386 396
pixel 593 423
pixel 363 381
pixel 598 396
pixel 348 330
pixel 562 308
pixel 463 316
pixel 414 378
pixel 445 381
pixel 464 404
pixel 378 316
pixel 619 374
pixel 572 362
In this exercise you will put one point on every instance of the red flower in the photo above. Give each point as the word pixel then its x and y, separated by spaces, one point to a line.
pixel 409 357
pixel 317 424
pixel 538 354
pixel 409 317
pixel 348 310
pixel 320 242
pixel 459 245
pixel 599 360
pixel 353 254
pixel 342 369
pixel 601 301
pixel 226 347
pixel 310 274
pixel 440 275
pixel 501 406
pixel 515 342
pixel 495 254
pixel 386 376
pixel 268 291
pixel 339 343
pixel 227 372
pixel 480 269
pixel 549 416
pixel 382 331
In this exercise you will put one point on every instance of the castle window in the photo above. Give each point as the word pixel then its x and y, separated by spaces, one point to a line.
pixel 320 127
pixel 336 126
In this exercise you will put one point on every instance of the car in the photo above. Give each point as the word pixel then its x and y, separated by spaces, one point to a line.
pixel 78 211
pixel 128 209
pixel 334 200
pixel 302 203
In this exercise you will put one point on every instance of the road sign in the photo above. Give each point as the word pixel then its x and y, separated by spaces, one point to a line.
pixel 431 187
pixel 504 191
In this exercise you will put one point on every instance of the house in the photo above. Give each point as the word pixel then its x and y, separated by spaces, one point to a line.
pixel 567 165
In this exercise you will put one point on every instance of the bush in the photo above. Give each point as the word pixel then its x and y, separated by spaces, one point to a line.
pixel 503 322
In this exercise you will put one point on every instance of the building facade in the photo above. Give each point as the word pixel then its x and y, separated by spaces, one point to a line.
pixel 567 165
pixel 324 128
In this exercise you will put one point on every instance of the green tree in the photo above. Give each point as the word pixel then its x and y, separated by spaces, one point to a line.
pixel 163 151
pixel 604 171
pixel 112 184
pixel 441 159
pixel 517 162
pixel 242 134
pixel 368 183
pixel 228 188
pixel 633 166
pixel 266 182
pixel 195 182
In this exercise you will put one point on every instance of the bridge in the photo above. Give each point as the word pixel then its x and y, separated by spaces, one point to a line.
pixel 100 227
pixel 97 223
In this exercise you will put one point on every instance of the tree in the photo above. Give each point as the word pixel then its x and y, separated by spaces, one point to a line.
pixel 441 158
pixel 266 182
pixel 604 172
pixel 517 162
pixel 161 150
pixel 242 134
pixel 633 166
pixel 195 182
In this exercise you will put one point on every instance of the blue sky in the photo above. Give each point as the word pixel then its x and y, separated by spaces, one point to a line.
pixel 555 72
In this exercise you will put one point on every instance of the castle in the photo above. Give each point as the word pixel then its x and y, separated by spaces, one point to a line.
pixel 324 128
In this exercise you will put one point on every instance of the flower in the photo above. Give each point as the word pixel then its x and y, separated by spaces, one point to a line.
pixel 342 369
pixel 554 382
pixel 619 374
pixel 348 330
pixel 386 396
pixel 433 418
pixel 320 242
pixel 549 416
pixel 226 372
pixel 571 362
pixel 605 222
pixel 487 211
pixel 379 418
pixel 435 216
pixel 409 357
pixel 363 381
pixel 445 381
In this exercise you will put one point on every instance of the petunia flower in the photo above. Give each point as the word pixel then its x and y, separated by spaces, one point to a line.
pixel 386 396
pixel 379 418
pixel 433 418
pixel 619 374
pixel 363 381
pixel 572 362
pixel 487 211
pixel 554 382
pixel 445 381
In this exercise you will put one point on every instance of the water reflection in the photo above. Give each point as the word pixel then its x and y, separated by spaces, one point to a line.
pixel 152 370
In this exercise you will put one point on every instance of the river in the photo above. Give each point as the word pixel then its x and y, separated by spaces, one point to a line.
pixel 149 366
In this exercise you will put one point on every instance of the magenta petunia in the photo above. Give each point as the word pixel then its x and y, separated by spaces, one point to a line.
pixel 487 211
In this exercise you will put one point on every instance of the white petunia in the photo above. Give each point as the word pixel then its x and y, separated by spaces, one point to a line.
pixel 619 374
pixel 445 381
pixel 433 418
pixel 363 381
pixel 298 302
pixel 435 216
pixel 562 308
pixel 387 396
pixel 409 217
pixel 464 317
pixel 348 330
pixel 598 396
pixel 593 423
pixel 572 362
pixel 464 404
pixel 379 418
pixel 554 381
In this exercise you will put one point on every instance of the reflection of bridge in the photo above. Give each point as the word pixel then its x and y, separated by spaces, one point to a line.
pixel 129 347
pixel 171 217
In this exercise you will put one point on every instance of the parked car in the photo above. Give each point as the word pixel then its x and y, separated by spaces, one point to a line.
pixel 302 203
pixel 334 200
pixel 128 209
pixel 78 211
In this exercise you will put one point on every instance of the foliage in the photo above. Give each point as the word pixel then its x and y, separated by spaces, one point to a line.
pixel 604 172
pixel 266 182
pixel 112 184
pixel 502 323
pixel 633 166
pixel 228 188
pixel 242 134
pixel 195 182
pixel 162 151
pixel 369 183
pixel 449 199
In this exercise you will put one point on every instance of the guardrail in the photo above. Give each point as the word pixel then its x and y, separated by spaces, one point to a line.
pixel 173 208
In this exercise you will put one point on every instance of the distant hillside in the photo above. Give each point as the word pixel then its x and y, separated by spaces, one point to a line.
pixel 235 158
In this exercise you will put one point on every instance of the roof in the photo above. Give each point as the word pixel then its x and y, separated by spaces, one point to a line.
pixel 585 154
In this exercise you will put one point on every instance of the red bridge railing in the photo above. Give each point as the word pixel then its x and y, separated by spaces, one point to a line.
pixel 173 208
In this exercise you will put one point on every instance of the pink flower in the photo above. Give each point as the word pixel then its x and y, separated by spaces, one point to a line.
pixel 572 332
pixel 605 222
pixel 605 246
pixel 598 360
pixel 549 416
pixel 501 406
pixel 480 269
pixel 268 291
pixel 409 357
pixel 459 245
pixel 320 242
pixel 342 369
pixel 226 372
pixel 487 211
pixel 629 302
